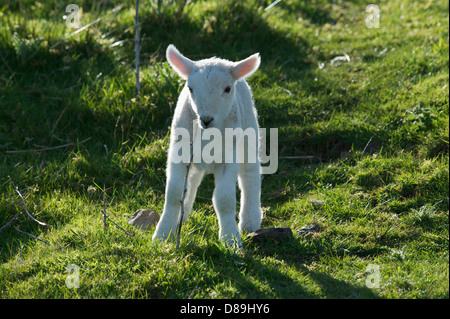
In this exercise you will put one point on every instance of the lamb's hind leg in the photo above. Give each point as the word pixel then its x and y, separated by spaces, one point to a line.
pixel 250 214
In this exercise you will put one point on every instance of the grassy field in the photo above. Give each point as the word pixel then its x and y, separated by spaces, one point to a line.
pixel 376 124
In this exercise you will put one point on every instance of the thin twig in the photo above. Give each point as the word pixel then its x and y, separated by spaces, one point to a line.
pixel 271 5
pixel 20 231
pixel 180 220
pixel 106 218
pixel 105 224
pixel 116 9
pixel 6 64
pixel 310 157
pixel 20 253
pixel 25 205
pixel 109 219
pixel 364 150
pixel 136 49
pixel 9 223
pixel 48 148
pixel 389 229
pixel 57 121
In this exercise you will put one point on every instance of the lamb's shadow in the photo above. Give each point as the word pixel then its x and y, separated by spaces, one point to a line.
pixel 281 278
pixel 319 284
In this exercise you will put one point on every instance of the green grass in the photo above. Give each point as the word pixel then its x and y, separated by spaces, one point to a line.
pixel 377 126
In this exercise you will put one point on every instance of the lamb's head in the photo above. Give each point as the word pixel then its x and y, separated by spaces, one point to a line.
pixel 211 83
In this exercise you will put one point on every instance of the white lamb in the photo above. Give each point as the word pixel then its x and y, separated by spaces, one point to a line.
pixel 215 95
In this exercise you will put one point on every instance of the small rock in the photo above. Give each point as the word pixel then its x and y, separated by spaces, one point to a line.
pixel 144 218
pixel 309 229
pixel 317 202
pixel 91 190
pixel 272 233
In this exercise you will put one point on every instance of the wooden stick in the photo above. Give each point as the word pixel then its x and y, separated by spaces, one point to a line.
pixel 20 231
pixel 180 220
pixel 48 148
pixel 389 229
pixel 136 49
pixel 271 5
pixel 9 223
pixel 116 9
pixel 109 219
pixel 105 224
pixel 106 218
pixel 298 157
pixel 25 205
pixel 364 150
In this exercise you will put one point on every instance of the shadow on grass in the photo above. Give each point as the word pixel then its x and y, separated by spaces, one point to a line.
pixel 324 285
pixel 248 277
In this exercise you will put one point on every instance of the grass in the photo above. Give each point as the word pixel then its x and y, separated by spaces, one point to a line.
pixel 377 126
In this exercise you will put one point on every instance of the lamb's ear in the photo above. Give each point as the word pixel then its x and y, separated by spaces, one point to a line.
pixel 247 67
pixel 182 65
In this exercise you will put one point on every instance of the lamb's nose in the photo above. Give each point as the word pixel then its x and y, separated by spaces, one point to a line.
pixel 206 120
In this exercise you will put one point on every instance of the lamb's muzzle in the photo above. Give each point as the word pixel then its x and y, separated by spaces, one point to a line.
pixel 206 120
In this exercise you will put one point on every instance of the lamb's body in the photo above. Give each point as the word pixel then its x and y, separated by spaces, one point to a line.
pixel 215 95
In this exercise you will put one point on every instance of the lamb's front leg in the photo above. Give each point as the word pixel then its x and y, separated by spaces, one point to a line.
pixel 224 200
pixel 167 225
pixel 250 184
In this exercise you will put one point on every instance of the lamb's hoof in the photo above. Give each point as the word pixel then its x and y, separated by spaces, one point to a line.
pixel 231 242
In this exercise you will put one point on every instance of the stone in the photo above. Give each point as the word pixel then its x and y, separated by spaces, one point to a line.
pixel 309 229
pixel 317 202
pixel 271 233
pixel 144 219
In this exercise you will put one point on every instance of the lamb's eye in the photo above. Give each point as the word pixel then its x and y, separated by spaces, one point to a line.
pixel 227 89
pixel 190 89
